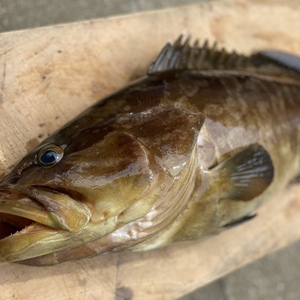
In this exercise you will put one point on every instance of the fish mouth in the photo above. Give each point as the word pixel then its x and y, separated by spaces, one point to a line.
pixel 28 216
pixel 38 204
pixel 10 224
pixel 18 212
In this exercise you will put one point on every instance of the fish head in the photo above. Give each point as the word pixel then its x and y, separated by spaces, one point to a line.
pixel 69 191
pixel 100 172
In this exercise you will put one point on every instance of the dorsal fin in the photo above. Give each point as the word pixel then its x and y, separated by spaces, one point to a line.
pixel 181 56
pixel 284 59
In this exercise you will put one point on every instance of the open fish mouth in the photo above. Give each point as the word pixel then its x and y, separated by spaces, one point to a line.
pixel 11 224
pixel 41 205
pixel 20 214
pixel 17 214
pixel 28 218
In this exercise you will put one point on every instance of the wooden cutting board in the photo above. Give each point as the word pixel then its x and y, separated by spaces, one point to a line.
pixel 49 75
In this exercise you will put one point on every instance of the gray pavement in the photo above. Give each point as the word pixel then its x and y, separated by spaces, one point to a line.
pixel 20 14
pixel 275 277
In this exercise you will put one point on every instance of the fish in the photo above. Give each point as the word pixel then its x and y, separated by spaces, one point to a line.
pixel 193 148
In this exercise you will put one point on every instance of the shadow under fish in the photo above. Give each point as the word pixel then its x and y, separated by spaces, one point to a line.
pixel 192 148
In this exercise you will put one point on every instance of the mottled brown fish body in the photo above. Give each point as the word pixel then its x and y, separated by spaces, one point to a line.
pixel 238 111
pixel 182 153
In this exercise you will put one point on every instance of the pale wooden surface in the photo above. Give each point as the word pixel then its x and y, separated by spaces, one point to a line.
pixel 49 75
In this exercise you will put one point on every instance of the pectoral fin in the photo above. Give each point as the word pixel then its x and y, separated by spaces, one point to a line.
pixel 246 174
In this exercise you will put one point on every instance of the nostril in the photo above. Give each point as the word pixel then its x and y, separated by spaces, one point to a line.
pixel 19 170
pixel 14 179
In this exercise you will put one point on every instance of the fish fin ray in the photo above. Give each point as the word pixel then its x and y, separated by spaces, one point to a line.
pixel 276 64
pixel 280 58
pixel 182 55
pixel 246 174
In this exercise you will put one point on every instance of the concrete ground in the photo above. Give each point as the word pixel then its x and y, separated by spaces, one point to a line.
pixel 275 277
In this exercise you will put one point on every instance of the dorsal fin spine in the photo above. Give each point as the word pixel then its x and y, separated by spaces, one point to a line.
pixel 181 56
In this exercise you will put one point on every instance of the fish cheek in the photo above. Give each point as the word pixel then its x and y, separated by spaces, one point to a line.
pixel 110 175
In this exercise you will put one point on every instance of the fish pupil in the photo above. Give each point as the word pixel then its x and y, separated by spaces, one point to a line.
pixel 49 157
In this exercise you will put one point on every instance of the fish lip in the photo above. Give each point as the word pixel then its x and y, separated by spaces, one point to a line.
pixel 14 244
pixel 19 203
pixel 74 195
pixel 11 198
pixel 16 194
pixel 34 200
pixel 35 239
pixel 14 248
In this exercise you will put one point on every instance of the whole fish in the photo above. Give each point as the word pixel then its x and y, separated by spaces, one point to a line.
pixel 194 147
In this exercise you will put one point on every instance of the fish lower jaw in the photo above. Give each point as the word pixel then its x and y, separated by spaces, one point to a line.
pixel 16 246
pixel 32 228
pixel 17 221
pixel 23 223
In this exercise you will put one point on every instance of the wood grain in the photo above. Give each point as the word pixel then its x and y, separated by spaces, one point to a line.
pixel 49 75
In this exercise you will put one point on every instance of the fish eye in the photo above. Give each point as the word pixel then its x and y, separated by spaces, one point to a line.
pixel 49 156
